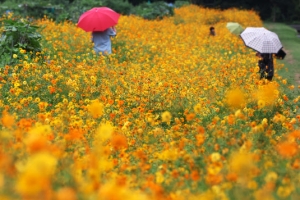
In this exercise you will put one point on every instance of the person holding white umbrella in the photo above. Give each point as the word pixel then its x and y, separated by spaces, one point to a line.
pixel 266 66
pixel 266 43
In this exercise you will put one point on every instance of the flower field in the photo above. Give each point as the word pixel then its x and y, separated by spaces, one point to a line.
pixel 172 114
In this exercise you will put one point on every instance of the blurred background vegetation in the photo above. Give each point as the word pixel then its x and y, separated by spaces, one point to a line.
pixel 59 10
pixel 269 10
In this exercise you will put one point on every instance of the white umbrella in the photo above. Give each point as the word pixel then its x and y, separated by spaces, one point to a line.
pixel 261 40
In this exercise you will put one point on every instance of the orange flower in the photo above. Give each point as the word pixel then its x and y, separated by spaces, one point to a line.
pixel 112 116
pixel 296 164
pixel 141 154
pixel 155 188
pixel 190 116
pixel 175 173
pixel 232 177
pixel 213 179
pixel 231 119
pixel 111 101
pixel 294 135
pixel 195 176
pixel 200 139
pixel 120 102
pixel 200 129
pixel 25 123
pixel 36 143
pixel 287 149
pixel 66 193
pixel 298 117
pixel 7 120
pixel 51 89
pixel 119 141
pixel 75 134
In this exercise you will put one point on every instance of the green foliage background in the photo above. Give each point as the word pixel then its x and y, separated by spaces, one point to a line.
pixel 18 34
pixel 71 10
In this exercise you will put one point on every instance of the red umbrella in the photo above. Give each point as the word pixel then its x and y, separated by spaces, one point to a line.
pixel 98 19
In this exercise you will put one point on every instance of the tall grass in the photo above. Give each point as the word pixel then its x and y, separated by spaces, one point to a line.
pixel 291 44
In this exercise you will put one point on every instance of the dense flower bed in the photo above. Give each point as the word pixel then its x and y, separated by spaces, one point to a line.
pixel 173 113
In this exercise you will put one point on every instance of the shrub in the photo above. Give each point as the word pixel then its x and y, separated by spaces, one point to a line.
pixel 77 7
pixel 179 4
pixel 120 6
pixel 73 11
pixel 18 34
pixel 156 10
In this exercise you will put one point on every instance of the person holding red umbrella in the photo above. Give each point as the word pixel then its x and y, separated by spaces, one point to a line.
pixel 101 40
pixel 101 22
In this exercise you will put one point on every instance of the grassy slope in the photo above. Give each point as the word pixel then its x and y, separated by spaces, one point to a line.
pixel 291 45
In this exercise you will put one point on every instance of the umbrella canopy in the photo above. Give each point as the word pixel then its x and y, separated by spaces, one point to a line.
pixel 234 27
pixel 98 19
pixel 261 40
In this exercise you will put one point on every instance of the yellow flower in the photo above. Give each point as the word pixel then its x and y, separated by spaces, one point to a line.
pixel 261 103
pixel 37 100
pixel 22 51
pixel 43 163
pixel 166 117
pixel 252 185
pixel 104 164
pixel 159 177
pixel 169 154
pixel 43 106
pixel 267 93
pixel 113 190
pixel 264 122
pixel 149 117
pixel 5 135
pixel 263 194
pixel 238 113
pixel 104 132
pixel 215 157
pixel 284 192
pixel 284 81
pixel 15 55
pixel 213 170
pixel 241 163
pixel 36 173
pixel 271 177
pixel 96 109
pixel 2 181
pixel 198 108
pixel 235 98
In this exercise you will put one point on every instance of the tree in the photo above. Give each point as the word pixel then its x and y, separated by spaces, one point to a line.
pixel 137 2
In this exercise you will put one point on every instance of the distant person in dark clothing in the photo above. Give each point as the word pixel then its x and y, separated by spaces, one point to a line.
pixel 266 65
pixel 212 31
